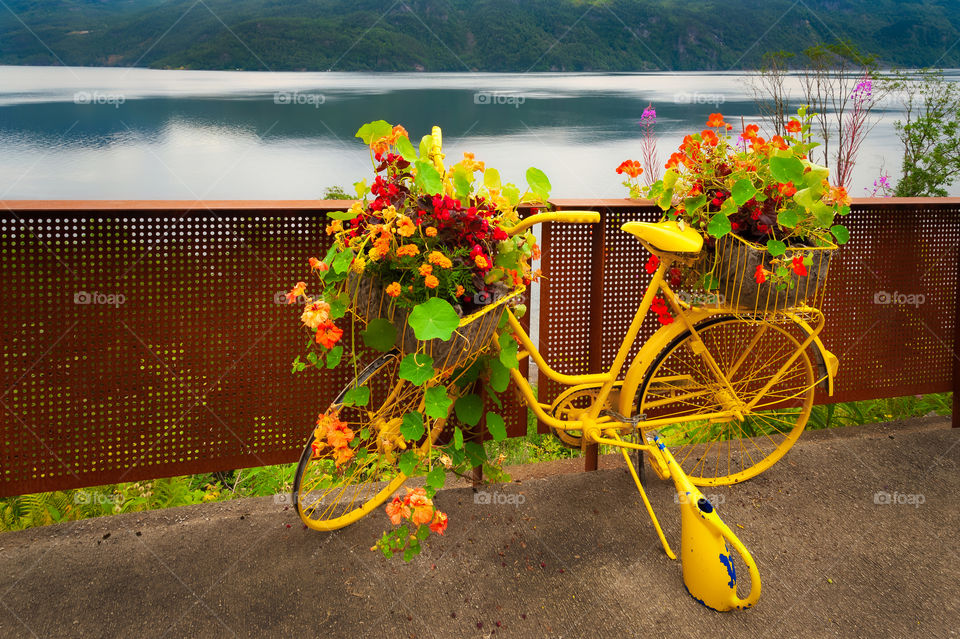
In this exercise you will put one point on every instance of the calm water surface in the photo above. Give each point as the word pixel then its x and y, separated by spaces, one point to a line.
pixel 93 133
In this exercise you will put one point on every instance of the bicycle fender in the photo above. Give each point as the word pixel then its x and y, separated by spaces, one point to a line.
pixel 827 363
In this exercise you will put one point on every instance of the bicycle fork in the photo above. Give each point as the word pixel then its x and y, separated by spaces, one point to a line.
pixel 709 571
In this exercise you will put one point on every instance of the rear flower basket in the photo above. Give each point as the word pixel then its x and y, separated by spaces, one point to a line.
pixel 739 267
pixel 370 301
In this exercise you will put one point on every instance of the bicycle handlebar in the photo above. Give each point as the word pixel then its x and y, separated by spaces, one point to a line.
pixel 569 217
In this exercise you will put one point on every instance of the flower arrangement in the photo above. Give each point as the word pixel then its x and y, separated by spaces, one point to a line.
pixel 435 247
pixel 766 192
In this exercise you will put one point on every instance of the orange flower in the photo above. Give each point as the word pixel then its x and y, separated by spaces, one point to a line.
pixel 793 126
pixel 405 226
pixel 441 260
pixel 408 249
pixel 397 132
pixel 425 269
pixel 439 523
pixel 709 137
pixel 839 195
pixel 334 227
pixel 317 265
pixel 397 511
pixel 296 292
pixel 675 160
pixel 328 335
pixel 716 119
pixel 798 266
pixel 630 167
pixel 431 231
pixel 315 314
pixel 759 275
pixel 779 142
pixel 787 189
pixel 750 132
pixel 459 291
pixel 423 515
pixel 431 281
pixel 394 289
pixel 481 261
pixel 343 455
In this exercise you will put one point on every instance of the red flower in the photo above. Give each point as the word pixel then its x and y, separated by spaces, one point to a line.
pixel 328 335
pixel 652 264
pixel 709 137
pixel 798 266
pixel 793 126
pixel 750 132
pixel 630 167
pixel 759 275
pixel 787 189
pixel 716 119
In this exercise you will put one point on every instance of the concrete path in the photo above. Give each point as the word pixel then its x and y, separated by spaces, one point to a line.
pixel 571 555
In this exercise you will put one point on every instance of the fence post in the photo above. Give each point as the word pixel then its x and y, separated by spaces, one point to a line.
pixel 956 347
pixel 598 265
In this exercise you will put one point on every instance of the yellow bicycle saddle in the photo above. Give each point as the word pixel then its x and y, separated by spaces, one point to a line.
pixel 666 236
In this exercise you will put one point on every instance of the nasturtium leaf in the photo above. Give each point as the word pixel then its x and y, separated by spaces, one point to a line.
pixel 424 530
pixel 804 198
pixel 743 191
pixel 437 402
pixel 461 184
pixel 693 204
pixel 406 149
pixel 508 351
pixel 475 453
pixel 342 261
pixel 457 438
pixel 841 233
pixel 670 178
pixel 426 142
pixel 312 357
pixel 408 462
pixel 412 427
pixel 436 478
pixel 776 247
pixel 334 356
pixel 416 368
pixel 665 199
pixel 512 194
pixel 499 375
pixel 788 218
pixel 357 396
pixel 496 426
pixel 433 318
pixel 491 179
pixel 360 188
pixel 338 305
pixel 719 225
pixel 341 215
pixel 428 178
pixel 786 169
pixel 539 183
pixel 844 210
pixel 372 131
pixel 469 408
pixel 823 213
pixel 380 335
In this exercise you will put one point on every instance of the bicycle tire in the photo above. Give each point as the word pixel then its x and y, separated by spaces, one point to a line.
pixel 679 384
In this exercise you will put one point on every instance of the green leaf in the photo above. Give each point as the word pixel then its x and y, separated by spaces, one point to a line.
pixel 405 148
pixel 412 427
pixel 823 213
pixel 743 191
pixel 461 184
pixel 776 247
pixel 334 356
pixel 491 179
pixel 457 438
pixel 357 396
pixel 786 169
pixel 436 478
pixel 437 402
pixel 312 358
pixel 426 142
pixel 693 204
pixel 341 215
pixel 805 198
pixel 416 368
pixel 409 554
pixel 665 199
pixel 788 218
pixel 719 225
pixel 512 194
pixel 539 183
pixel 373 131
pixel 669 179
pixel 408 462
pixel 499 375
pixel 496 426
pixel 428 178
pixel 508 351
pixel 710 282
pixel 380 335
pixel 476 454
pixel 435 318
pixel 341 263
pixel 469 408
pixel 338 306
pixel 841 233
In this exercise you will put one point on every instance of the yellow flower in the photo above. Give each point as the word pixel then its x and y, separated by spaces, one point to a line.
pixel 356 209
pixel 405 226
pixel 431 231
pixel 389 213
pixel 426 269
pixel 334 227
pixel 358 264
pixel 441 260
pixel 481 261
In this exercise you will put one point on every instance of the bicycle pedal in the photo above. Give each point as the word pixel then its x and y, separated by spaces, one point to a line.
pixel 633 421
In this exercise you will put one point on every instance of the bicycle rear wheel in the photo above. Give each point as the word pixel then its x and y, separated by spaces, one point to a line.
pixel 331 492
pixel 680 385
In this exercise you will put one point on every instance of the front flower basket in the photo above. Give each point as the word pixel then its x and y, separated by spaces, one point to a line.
pixel 740 267
pixel 370 301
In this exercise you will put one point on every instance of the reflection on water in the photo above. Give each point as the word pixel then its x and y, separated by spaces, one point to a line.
pixel 144 134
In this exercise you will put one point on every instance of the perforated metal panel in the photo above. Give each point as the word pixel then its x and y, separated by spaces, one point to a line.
pixel 189 371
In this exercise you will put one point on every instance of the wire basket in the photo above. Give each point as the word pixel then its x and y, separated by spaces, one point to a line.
pixel 475 331
pixel 735 266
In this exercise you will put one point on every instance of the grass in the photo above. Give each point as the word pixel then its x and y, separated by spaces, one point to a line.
pixel 40 509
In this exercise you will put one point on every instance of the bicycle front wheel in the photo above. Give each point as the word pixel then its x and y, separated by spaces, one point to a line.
pixel 680 385
pixel 334 487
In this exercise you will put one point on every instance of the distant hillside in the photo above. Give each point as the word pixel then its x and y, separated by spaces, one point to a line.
pixel 461 35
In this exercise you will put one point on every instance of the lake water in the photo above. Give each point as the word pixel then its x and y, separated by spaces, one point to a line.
pixel 117 133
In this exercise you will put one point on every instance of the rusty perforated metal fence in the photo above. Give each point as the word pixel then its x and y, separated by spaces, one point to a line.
pixel 146 339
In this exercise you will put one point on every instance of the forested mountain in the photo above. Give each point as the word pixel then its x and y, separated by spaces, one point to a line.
pixel 462 35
